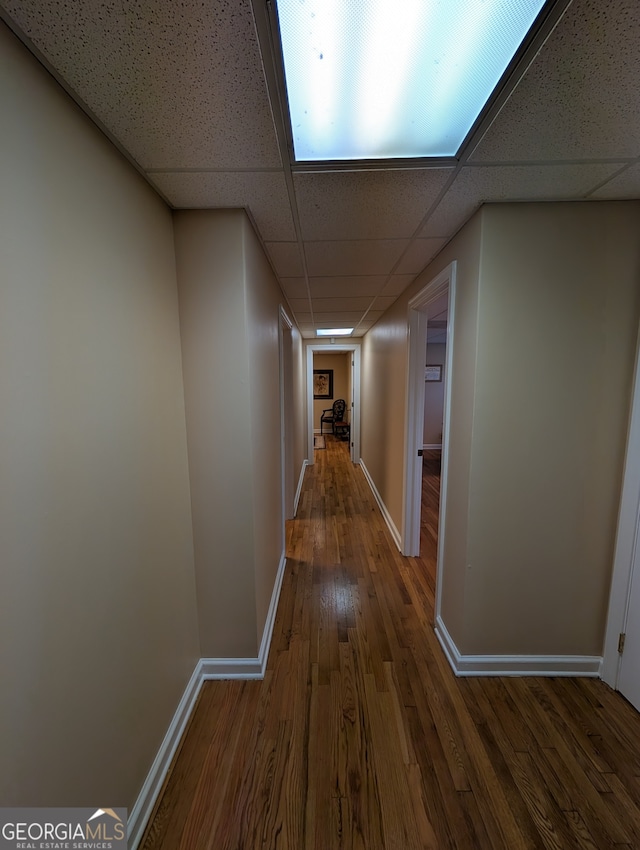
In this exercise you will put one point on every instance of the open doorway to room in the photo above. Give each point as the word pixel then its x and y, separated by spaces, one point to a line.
pixel 343 382
pixel 433 412
pixel 428 430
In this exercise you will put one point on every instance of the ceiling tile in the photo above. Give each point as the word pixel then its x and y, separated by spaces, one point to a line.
pixel 353 258
pixel 346 286
pixel 294 287
pixel 331 305
pixel 476 185
pixel 338 319
pixel 623 185
pixel 263 193
pixel 178 84
pixel 397 284
pixel 383 302
pixel 366 204
pixel 299 304
pixel 418 255
pixel 374 315
pixel 285 257
pixel 563 109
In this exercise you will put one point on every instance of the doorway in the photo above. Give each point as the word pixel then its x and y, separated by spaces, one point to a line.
pixel 438 296
pixel 354 401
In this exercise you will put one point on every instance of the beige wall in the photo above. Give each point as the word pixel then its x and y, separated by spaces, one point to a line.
pixel 434 398
pixel 98 630
pixel 340 363
pixel 383 391
pixel 545 328
pixel 263 298
pixel 229 302
pixel 209 252
pixel 558 320
pixel 384 381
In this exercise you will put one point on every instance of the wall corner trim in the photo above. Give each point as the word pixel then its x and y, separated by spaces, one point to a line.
pixel 152 786
pixel 385 513
pixel 296 499
pixel 267 632
pixel 515 665
pixel 206 668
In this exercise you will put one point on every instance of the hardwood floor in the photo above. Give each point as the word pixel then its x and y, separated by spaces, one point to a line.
pixel 361 737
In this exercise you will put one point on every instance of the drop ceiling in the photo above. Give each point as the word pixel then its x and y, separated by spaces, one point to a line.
pixel 188 91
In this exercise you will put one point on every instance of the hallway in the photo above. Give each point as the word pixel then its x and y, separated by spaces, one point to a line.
pixel 361 737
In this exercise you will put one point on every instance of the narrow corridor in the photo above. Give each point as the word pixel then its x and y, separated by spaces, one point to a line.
pixel 361 737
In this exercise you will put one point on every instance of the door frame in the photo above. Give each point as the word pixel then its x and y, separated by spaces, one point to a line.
pixel 627 551
pixel 444 282
pixel 287 486
pixel 336 348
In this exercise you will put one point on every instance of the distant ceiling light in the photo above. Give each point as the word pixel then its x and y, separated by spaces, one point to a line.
pixel 334 331
pixel 370 79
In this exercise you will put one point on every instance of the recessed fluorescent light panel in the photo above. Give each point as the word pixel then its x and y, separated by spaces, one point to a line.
pixel 378 79
pixel 334 331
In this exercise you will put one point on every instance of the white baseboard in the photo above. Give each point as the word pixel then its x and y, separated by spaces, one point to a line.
pixel 143 807
pixel 296 499
pixel 267 632
pixel 515 665
pixel 431 446
pixel 385 513
pixel 206 668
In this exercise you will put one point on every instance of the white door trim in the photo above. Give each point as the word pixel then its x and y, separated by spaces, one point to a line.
pixel 443 282
pixel 626 549
pixel 284 324
pixel 336 348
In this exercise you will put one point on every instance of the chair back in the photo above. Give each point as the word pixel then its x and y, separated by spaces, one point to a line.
pixel 339 407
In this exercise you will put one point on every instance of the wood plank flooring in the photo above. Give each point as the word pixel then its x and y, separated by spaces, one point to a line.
pixel 361 737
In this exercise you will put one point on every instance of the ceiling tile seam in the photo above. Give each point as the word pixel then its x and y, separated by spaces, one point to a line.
pixel 342 297
pixel 546 163
pixel 608 179
pixel 561 199
pixel 247 170
pixel 338 276
pixel 316 277
pixel 263 31
pixel 372 239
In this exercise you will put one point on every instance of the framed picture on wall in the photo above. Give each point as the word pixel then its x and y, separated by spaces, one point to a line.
pixel 433 373
pixel 323 383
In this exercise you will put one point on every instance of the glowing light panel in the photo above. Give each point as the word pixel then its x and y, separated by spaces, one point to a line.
pixel 334 331
pixel 374 79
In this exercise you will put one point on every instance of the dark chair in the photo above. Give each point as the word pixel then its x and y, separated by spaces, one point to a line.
pixel 333 414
